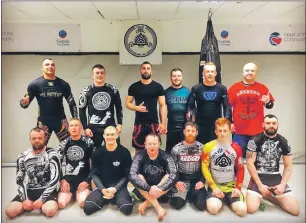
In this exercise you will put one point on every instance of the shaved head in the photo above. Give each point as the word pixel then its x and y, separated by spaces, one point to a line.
pixel 247 65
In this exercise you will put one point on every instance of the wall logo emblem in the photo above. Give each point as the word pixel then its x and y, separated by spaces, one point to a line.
pixel 275 39
pixel 62 34
pixel 224 34
pixel 140 40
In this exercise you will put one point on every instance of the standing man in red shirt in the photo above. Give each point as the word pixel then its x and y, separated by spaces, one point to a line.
pixel 248 99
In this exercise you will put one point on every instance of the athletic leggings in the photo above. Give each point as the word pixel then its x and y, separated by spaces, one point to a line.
pixel 95 201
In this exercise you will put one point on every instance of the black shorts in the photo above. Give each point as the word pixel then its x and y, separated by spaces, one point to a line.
pixel 54 124
pixel 269 180
pixel 33 195
pixel 174 137
pixel 140 132
pixel 206 133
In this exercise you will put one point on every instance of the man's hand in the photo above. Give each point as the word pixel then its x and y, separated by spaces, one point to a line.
pixel 155 191
pixel 119 128
pixel 26 100
pixel 278 189
pixel 233 128
pixel 106 194
pixel 27 205
pixel 236 193
pixel 88 132
pixel 112 190
pixel 82 186
pixel 162 129
pixel 141 108
pixel 65 187
pixel 93 186
pixel 264 190
pixel 218 193
pixel 265 98
pixel 37 204
pixel 180 186
pixel 199 185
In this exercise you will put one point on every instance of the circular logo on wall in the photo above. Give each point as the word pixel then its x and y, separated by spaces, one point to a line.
pixel 275 39
pixel 62 34
pixel 224 34
pixel 101 101
pixel 140 40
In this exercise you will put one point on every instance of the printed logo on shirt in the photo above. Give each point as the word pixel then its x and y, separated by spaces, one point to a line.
pixel 223 161
pixel 50 84
pixel 189 158
pixel 116 163
pixel 75 153
pixel 101 101
pixel 210 95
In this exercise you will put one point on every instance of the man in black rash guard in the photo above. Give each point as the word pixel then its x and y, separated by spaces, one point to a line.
pixel 37 177
pixel 153 173
pixel 206 102
pixel 76 151
pixel 191 184
pixel 176 98
pixel 110 168
pixel 49 91
pixel 100 99
pixel 146 94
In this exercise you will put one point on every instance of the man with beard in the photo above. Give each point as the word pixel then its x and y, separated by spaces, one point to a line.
pixel 146 93
pixel 223 170
pixel 263 155
pixel 76 151
pixel 187 156
pixel 110 169
pixel 49 91
pixel 38 174
pixel 206 102
pixel 248 99
pixel 100 99
pixel 176 99
pixel 153 173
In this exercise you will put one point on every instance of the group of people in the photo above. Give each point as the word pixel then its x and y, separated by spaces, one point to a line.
pixel 201 163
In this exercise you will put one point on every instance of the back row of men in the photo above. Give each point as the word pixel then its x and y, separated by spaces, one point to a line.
pixel 177 105
pixel 156 175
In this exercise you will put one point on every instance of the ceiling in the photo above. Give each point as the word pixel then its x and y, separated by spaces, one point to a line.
pixel 290 12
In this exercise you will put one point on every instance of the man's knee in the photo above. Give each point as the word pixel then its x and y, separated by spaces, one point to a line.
pixel 126 209
pixel 239 208
pixel 50 208
pixel 177 202
pixel 214 205
pixel 13 209
pixel 200 205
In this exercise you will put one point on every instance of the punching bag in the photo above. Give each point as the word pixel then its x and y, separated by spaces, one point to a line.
pixel 209 51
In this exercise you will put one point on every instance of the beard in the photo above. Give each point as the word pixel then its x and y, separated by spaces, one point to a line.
pixel 38 147
pixel 270 131
pixel 190 139
pixel 146 76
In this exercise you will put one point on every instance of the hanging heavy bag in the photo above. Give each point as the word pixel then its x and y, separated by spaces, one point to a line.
pixel 209 51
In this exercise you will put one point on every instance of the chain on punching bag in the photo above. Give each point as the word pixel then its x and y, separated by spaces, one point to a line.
pixel 210 51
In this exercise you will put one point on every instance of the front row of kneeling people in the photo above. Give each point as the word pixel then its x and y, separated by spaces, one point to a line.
pixel 156 175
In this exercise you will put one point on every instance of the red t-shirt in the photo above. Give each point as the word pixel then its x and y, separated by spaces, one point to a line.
pixel 248 109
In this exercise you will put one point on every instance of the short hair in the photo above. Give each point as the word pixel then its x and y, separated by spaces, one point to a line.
pixel 38 129
pixel 174 70
pixel 270 116
pixel 146 62
pixel 192 124
pixel 48 58
pixel 209 64
pixel 99 66
pixel 74 119
pixel 152 134
pixel 110 127
pixel 223 121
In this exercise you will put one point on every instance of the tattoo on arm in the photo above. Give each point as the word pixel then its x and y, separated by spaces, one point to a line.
pixel 249 155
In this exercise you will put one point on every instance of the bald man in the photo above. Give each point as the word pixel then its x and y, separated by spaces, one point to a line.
pixel 110 168
pixel 248 99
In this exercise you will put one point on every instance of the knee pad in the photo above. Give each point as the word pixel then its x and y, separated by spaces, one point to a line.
pixel 177 202
pixel 127 209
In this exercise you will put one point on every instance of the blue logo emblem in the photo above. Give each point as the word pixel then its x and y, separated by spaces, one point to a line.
pixel 62 34
pixel 224 34
pixel 210 95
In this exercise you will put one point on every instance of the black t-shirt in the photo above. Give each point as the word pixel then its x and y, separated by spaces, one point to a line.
pixel 207 101
pixel 49 95
pixel 77 154
pixel 269 152
pixel 147 93
pixel 111 168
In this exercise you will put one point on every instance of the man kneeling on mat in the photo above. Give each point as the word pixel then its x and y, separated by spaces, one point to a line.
pixel 38 174
pixel 191 184
pixel 223 169
pixel 110 169
pixel 153 173
pixel 76 150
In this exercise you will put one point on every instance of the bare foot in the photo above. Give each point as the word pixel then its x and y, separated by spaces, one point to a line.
pixel 161 213
pixel 142 208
